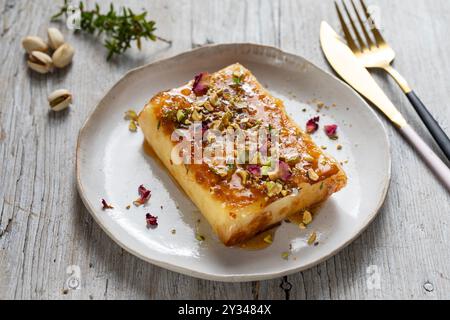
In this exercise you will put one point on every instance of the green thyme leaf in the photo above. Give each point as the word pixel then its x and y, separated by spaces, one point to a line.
pixel 121 27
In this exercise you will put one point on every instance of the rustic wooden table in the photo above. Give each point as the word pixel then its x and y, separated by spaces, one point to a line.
pixel 44 227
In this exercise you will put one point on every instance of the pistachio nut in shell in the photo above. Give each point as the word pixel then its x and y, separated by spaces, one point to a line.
pixel 55 38
pixel 59 99
pixel 63 55
pixel 33 43
pixel 39 62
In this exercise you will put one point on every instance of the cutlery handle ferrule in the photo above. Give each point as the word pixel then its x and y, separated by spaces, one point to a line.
pixel 436 131
pixel 436 165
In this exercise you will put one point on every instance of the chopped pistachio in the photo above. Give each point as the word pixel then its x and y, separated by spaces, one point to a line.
pixel 214 99
pixel 268 239
pixel 196 116
pixel 132 126
pixel 273 175
pixel 131 115
pixel 323 147
pixel 240 105
pixel 307 217
pixel 128 207
pixel 199 104
pixel 226 95
pixel 285 255
pixel 181 116
pixel 243 174
pixel 237 73
pixel 265 170
pixel 284 193
pixel 237 76
pixel 313 175
pixel 312 238
pixel 199 237
pixel 226 118
pixel 215 124
pixel 307 157
pixel 173 231
pixel 221 171
pixel 339 147
pixel 273 188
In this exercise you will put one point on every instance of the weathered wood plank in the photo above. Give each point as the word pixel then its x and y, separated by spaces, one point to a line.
pixel 44 227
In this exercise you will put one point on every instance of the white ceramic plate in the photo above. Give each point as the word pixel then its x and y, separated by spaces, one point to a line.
pixel 111 164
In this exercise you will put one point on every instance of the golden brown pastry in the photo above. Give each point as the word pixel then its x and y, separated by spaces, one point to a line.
pixel 239 199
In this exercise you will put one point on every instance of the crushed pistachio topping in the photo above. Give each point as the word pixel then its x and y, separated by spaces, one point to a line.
pixel 312 238
pixel 199 237
pixel 273 188
pixel 312 175
pixel 229 102
pixel 132 126
pixel 307 157
pixel 268 239
pixel 307 217
pixel 132 116
pixel 339 147
pixel 285 255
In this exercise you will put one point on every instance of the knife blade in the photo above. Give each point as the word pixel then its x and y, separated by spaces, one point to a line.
pixel 349 67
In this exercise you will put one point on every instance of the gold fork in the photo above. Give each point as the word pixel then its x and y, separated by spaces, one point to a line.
pixel 375 52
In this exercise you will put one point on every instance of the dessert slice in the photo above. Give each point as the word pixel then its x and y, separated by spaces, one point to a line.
pixel 246 189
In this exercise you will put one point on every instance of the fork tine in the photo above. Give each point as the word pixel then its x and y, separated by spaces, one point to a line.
pixel 355 30
pixel 348 36
pixel 378 37
pixel 363 27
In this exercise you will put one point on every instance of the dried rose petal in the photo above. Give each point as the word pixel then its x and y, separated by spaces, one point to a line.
pixel 312 125
pixel 254 169
pixel 106 205
pixel 204 127
pixel 201 83
pixel 330 131
pixel 285 171
pixel 151 220
pixel 144 195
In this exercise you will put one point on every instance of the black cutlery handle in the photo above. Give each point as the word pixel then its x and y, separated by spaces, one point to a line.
pixel 436 131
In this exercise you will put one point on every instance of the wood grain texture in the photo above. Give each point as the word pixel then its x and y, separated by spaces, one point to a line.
pixel 44 227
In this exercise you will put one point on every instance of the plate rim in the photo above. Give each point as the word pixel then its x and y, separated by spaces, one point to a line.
pixel 230 277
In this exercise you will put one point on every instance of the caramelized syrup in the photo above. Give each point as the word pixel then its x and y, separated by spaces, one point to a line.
pixel 257 242
pixel 297 217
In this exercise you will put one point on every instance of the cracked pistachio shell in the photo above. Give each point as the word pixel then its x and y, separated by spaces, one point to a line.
pixel 39 62
pixel 33 43
pixel 55 38
pixel 60 99
pixel 63 55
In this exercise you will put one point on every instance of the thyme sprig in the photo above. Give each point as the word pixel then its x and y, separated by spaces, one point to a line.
pixel 120 27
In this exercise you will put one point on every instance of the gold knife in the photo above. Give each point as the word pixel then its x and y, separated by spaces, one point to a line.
pixel 349 67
